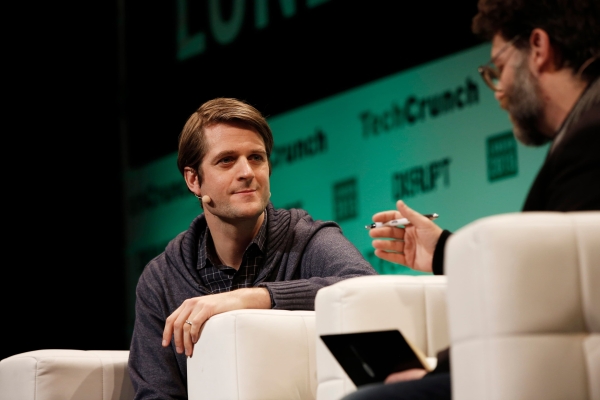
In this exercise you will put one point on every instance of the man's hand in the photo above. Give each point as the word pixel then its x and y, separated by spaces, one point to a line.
pixel 407 375
pixel 199 309
pixel 412 245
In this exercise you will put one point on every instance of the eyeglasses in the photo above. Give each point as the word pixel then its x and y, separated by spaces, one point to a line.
pixel 489 72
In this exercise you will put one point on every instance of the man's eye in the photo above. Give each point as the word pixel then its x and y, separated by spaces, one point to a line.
pixel 226 160
pixel 257 157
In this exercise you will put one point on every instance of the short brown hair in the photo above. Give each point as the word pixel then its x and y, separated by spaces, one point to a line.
pixel 572 25
pixel 192 142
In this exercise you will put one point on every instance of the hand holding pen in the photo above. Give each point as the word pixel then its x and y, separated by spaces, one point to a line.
pixel 410 242
pixel 398 222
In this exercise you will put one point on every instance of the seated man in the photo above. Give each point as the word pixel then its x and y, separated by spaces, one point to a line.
pixel 544 71
pixel 241 252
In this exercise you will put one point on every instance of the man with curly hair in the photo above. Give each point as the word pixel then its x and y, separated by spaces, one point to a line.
pixel 544 72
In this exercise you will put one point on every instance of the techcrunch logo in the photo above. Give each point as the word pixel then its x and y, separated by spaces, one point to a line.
pixel 413 109
pixel 300 149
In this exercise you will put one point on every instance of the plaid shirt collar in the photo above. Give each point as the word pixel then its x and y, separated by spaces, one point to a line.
pixel 206 253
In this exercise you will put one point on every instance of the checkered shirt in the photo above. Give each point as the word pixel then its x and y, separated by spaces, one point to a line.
pixel 220 278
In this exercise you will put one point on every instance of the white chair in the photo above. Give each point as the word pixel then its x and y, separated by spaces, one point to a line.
pixel 66 374
pixel 524 307
pixel 416 305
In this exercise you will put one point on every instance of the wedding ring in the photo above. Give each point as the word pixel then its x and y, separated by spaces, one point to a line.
pixel 187 322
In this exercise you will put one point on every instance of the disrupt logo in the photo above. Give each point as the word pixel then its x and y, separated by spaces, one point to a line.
pixel 300 149
pixel 420 179
pixel 414 109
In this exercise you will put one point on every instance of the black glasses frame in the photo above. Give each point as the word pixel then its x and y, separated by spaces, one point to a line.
pixel 489 72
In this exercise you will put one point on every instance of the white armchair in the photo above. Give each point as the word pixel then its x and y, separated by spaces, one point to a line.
pixel 66 374
pixel 416 305
pixel 524 307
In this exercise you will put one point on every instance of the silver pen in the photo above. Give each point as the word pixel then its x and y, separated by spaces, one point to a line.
pixel 398 222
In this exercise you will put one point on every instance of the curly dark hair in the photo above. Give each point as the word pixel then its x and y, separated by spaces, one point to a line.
pixel 572 25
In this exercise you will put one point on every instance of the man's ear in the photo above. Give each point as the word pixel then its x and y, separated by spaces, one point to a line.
pixel 542 54
pixel 192 180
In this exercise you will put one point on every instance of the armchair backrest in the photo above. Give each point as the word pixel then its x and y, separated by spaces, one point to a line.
pixel 524 306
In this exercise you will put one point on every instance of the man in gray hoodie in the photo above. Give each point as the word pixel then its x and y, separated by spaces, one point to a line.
pixel 239 253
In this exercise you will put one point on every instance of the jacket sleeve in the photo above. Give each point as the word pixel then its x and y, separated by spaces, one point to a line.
pixel 328 257
pixel 438 253
pixel 156 372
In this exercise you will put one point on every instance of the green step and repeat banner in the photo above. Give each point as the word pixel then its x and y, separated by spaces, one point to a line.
pixel 433 136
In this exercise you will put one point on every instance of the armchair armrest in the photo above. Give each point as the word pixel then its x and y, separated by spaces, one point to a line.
pixel 255 354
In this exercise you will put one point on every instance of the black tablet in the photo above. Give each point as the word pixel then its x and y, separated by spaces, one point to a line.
pixel 369 357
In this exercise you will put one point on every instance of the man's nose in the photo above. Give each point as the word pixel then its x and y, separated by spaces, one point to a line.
pixel 245 169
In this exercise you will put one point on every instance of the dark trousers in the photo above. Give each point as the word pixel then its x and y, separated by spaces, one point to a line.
pixel 430 387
